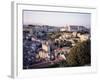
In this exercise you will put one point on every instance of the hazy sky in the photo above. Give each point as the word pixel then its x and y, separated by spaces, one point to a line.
pixel 56 18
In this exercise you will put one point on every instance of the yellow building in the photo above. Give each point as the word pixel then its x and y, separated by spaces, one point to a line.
pixel 43 54
pixel 45 46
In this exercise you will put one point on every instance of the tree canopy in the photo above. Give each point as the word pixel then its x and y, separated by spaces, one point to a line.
pixel 80 54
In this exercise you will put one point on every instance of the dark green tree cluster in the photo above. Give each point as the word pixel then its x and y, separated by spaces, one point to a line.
pixel 80 55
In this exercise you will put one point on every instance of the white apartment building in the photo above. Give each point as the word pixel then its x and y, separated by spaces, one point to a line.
pixel 75 28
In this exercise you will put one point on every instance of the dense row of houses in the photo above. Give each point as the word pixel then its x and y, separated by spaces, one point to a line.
pixel 46 28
